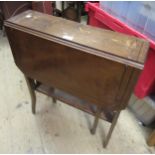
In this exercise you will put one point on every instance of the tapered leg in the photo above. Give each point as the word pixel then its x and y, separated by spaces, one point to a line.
pixel 98 113
pixel 53 98
pixel 31 87
pixel 114 121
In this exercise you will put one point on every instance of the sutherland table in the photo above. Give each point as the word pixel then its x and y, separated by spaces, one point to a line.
pixel 89 68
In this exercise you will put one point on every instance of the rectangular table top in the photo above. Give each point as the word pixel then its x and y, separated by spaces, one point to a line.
pixel 112 45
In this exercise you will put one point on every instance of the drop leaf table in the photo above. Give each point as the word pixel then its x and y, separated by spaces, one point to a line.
pixel 92 69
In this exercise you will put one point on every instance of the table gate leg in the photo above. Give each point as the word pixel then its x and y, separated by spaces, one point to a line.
pixel 31 87
pixel 98 113
pixel 114 121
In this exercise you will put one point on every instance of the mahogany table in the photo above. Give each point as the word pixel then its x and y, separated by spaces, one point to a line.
pixel 89 68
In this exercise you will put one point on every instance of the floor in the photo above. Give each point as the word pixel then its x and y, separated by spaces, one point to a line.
pixel 56 128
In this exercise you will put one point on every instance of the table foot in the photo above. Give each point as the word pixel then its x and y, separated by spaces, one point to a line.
pixel 114 121
pixel 97 116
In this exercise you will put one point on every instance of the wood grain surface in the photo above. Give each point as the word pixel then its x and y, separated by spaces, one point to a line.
pixel 82 36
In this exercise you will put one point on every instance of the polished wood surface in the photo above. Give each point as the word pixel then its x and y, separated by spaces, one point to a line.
pixel 112 45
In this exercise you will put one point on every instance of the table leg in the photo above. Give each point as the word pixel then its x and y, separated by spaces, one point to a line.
pixel 151 140
pixel 31 87
pixel 97 116
pixel 114 121
pixel 53 98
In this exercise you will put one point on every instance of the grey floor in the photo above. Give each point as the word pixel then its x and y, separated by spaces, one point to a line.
pixel 56 128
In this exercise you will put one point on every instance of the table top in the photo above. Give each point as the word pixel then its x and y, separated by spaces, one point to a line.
pixel 87 38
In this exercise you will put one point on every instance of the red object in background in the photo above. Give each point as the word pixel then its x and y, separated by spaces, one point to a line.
pixel 99 18
pixel 146 82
